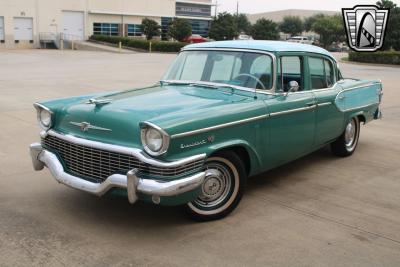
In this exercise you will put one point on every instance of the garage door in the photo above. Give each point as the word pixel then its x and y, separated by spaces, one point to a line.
pixel 1 28
pixel 73 25
pixel 23 29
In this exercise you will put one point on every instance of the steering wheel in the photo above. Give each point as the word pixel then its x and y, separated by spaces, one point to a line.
pixel 253 77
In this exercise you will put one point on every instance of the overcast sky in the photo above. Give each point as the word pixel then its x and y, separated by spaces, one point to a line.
pixel 259 6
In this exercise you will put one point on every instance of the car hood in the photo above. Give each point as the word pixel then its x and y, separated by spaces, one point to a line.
pixel 117 121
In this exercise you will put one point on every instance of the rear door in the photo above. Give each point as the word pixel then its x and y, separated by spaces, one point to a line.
pixel 322 80
pixel 292 121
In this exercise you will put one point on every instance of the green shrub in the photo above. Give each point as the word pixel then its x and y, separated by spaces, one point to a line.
pixel 158 46
pixel 380 57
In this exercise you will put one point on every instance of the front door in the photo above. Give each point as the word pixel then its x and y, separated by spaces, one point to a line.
pixel 73 25
pixel 292 115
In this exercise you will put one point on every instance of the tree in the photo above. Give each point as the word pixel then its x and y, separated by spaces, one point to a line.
pixel 292 25
pixel 150 28
pixel 265 29
pixel 180 29
pixel 308 22
pixel 386 4
pixel 223 27
pixel 330 29
pixel 242 23
pixel 392 36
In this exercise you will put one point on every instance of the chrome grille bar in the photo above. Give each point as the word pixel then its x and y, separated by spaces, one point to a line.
pixel 96 164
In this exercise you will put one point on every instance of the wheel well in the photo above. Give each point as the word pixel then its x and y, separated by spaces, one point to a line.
pixel 242 154
pixel 361 118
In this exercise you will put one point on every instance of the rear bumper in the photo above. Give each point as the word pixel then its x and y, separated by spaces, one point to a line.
pixel 131 181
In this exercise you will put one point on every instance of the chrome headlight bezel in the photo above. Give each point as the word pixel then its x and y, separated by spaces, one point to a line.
pixel 165 139
pixel 40 109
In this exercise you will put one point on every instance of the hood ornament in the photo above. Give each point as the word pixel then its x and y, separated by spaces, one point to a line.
pixel 86 126
pixel 99 102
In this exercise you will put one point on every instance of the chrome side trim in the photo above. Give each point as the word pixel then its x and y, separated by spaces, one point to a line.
pixel 362 107
pixel 138 153
pixel 145 186
pixel 274 114
pixel 233 123
pixel 220 126
pixel 324 104
pixel 353 88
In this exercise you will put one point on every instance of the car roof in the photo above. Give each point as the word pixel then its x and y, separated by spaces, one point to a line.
pixel 270 46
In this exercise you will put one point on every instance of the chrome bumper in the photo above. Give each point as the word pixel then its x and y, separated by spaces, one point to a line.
pixel 134 184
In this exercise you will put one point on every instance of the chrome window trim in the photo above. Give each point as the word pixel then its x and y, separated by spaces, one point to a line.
pixel 256 51
pixel 138 153
pixel 165 136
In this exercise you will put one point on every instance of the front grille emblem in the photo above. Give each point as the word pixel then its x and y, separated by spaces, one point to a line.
pixel 86 126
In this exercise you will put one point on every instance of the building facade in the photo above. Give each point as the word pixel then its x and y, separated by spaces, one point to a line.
pixel 24 22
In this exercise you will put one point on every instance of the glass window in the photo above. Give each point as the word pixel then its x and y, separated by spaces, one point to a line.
pixel 291 70
pixel 109 29
pixel 1 28
pixel 321 73
pixel 134 30
pixel 329 74
pixel 251 70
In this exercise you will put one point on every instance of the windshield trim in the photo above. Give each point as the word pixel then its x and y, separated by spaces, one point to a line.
pixel 256 51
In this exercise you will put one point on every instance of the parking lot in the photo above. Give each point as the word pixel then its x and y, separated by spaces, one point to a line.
pixel 319 210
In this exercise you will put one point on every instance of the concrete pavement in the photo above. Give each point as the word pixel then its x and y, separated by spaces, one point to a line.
pixel 317 211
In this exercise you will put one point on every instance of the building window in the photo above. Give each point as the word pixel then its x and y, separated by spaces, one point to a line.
pixel 200 27
pixel 134 30
pixel 165 22
pixel 1 29
pixel 109 29
pixel 193 10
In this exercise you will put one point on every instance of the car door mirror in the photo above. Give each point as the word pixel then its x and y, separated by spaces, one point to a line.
pixel 293 87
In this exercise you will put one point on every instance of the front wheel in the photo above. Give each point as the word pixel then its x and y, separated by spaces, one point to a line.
pixel 346 144
pixel 221 190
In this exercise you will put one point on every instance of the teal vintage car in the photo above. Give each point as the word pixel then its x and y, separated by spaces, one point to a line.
pixel 223 112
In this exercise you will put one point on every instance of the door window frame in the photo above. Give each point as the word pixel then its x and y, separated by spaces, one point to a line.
pixel 334 71
pixel 279 76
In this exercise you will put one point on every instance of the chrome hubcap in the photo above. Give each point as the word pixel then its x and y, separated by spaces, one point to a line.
pixel 350 133
pixel 215 187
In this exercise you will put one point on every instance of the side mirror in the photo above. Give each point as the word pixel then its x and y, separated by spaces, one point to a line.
pixel 293 87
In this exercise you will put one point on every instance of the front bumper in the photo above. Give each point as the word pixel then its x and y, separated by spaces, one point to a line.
pixel 131 181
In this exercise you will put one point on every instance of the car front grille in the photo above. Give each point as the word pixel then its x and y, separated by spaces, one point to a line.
pixel 96 165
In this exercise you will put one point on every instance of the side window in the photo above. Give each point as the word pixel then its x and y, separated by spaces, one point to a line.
pixel 262 69
pixel 290 70
pixel 321 73
pixel 329 74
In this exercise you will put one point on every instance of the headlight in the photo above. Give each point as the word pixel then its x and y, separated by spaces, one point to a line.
pixel 44 116
pixel 155 141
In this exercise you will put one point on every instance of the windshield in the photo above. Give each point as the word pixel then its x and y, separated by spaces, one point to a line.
pixel 244 69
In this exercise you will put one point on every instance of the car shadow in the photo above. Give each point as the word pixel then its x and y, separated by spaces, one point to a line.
pixel 116 212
